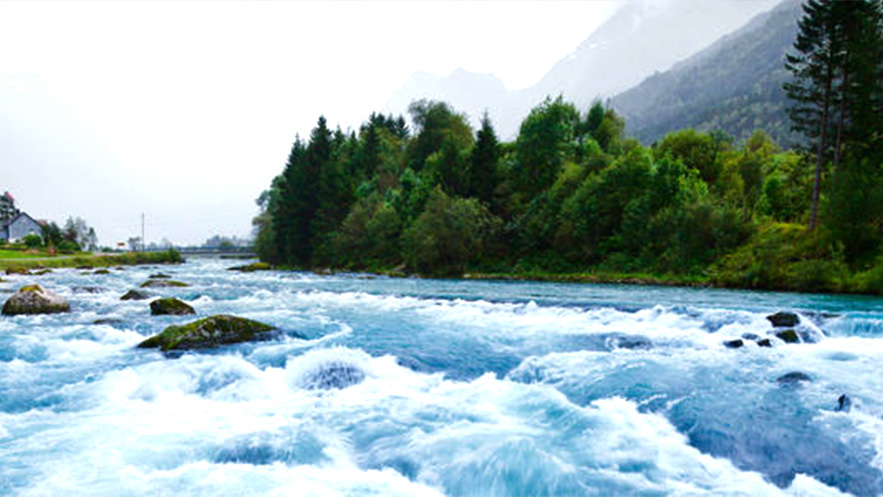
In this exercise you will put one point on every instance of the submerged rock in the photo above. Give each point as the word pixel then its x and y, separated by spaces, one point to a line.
pixel 88 289
pixel 631 342
pixel 163 284
pixel 34 299
pixel 159 276
pixel 41 272
pixel 788 336
pixel 734 344
pixel 750 336
pixel 844 403
pixel 108 321
pixel 784 319
pixel 248 268
pixel 135 295
pixel 101 271
pixel 170 306
pixel 208 332
pixel 793 378
pixel 335 375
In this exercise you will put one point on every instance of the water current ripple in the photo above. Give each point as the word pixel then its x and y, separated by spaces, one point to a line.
pixel 381 386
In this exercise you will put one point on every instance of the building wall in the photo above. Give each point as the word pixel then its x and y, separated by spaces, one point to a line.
pixel 23 226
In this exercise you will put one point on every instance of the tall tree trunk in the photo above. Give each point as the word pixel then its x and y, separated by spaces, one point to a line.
pixel 823 139
pixel 841 118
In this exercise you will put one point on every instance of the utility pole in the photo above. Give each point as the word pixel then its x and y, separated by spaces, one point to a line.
pixel 143 241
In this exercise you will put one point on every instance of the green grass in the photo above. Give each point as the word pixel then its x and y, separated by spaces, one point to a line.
pixel 20 254
pixel 87 259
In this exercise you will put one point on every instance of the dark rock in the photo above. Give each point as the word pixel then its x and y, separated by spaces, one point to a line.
pixel 844 403
pixel 631 342
pixel 85 267
pixel 34 299
pixel 101 271
pixel 335 375
pixel 784 319
pixel 764 342
pixel 793 378
pixel 41 272
pixel 135 295
pixel 170 306
pixel 788 336
pixel 159 276
pixel 163 284
pixel 88 289
pixel 249 268
pixel 18 270
pixel 750 336
pixel 108 321
pixel 734 344
pixel 208 332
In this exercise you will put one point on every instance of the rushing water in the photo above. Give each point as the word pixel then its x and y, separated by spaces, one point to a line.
pixel 412 387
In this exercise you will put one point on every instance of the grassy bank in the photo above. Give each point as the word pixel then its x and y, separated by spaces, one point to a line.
pixel 35 261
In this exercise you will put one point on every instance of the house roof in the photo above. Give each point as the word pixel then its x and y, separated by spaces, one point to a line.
pixel 17 217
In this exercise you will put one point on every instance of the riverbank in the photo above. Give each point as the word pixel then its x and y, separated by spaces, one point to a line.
pixel 93 260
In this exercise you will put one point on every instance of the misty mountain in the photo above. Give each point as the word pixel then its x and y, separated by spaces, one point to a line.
pixel 734 85
pixel 642 37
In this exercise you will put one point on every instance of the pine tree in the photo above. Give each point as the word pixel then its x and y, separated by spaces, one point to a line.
pixel 483 163
pixel 813 68
pixel 284 222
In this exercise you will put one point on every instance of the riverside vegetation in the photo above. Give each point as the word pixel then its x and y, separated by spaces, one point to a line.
pixel 573 198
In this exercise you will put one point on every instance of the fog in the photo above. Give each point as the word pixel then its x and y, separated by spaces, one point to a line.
pixel 185 111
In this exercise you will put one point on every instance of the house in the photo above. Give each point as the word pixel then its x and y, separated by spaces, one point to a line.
pixel 14 224
pixel 19 227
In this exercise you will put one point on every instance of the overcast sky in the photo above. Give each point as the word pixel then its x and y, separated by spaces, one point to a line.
pixel 185 111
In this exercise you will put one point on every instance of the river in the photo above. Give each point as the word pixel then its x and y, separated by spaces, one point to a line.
pixel 410 387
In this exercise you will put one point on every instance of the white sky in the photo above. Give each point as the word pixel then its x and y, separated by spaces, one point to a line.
pixel 185 111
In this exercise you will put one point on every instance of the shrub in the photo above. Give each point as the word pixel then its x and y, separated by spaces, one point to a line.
pixel 33 241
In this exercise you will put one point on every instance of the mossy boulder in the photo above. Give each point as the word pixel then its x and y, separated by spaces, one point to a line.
pixel 101 271
pixel 208 332
pixel 249 268
pixel 135 295
pixel 41 272
pixel 163 284
pixel 784 319
pixel 34 299
pixel 18 270
pixel 788 336
pixel 170 306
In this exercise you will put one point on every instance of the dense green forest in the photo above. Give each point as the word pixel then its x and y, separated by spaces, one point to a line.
pixel 573 196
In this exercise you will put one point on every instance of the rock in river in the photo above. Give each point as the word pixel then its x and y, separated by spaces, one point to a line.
pixel 162 284
pixel 793 378
pixel 208 332
pixel 170 306
pixel 135 295
pixel 34 299
pixel 784 319
pixel 248 268
pixel 788 336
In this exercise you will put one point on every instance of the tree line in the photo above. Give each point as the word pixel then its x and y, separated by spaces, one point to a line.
pixel 572 194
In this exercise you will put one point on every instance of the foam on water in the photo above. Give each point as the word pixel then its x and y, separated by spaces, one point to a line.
pixel 408 387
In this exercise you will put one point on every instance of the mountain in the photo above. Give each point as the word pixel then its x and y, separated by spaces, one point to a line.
pixel 642 37
pixel 734 85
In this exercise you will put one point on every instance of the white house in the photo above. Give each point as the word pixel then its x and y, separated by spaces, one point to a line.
pixel 14 224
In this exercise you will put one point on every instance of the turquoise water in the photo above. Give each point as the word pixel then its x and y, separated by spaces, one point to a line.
pixel 379 386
